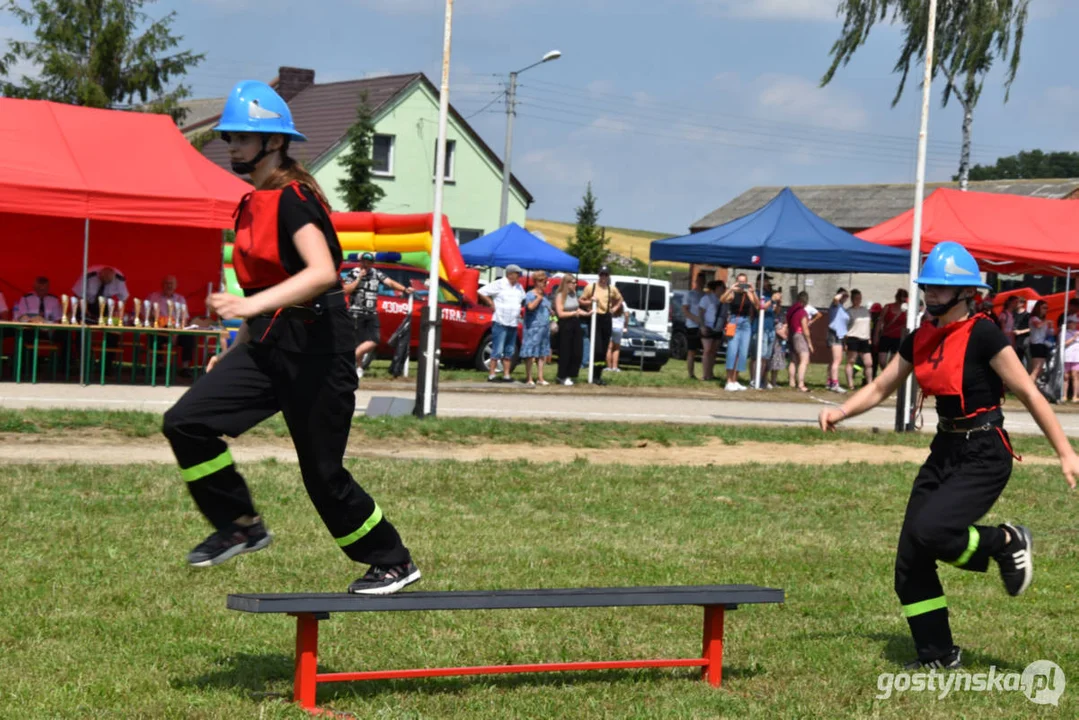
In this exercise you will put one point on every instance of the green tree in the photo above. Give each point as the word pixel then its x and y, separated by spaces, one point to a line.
pixel 970 36
pixel 589 243
pixel 98 53
pixel 1029 164
pixel 360 193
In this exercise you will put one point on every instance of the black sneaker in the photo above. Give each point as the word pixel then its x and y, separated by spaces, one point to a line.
pixel 385 580
pixel 228 543
pixel 1016 560
pixel 951 661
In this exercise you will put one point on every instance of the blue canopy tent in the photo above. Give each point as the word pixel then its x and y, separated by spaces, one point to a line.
pixel 783 235
pixel 513 244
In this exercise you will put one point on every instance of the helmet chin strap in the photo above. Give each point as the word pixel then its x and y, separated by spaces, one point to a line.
pixel 941 309
pixel 246 167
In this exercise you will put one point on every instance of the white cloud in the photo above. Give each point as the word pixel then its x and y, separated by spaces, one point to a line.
pixel 600 87
pixel 20 68
pixel 728 81
pixel 796 99
pixel 1062 98
pixel 610 125
pixel 772 9
pixel 561 166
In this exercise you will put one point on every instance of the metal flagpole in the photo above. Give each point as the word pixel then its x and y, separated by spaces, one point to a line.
pixel 760 330
pixel 433 321
pixel 647 292
pixel 903 422
pixel 1062 335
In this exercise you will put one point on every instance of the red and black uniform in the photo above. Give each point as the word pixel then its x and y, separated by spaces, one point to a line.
pixel 299 361
pixel 968 467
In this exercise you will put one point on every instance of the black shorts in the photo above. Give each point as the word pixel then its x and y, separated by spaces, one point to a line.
pixel 693 339
pixel 888 345
pixel 366 328
pixel 858 345
pixel 1039 350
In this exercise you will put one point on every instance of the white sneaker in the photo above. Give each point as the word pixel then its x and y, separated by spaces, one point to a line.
pixel 733 387
pixel 568 382
pixel 741 386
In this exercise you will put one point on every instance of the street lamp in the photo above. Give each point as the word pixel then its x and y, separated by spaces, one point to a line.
pixel 511 110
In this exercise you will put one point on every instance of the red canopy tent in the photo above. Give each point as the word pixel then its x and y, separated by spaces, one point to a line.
pixel 1006 233
pixel 81 187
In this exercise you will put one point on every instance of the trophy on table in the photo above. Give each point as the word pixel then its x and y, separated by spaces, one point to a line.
pixel 185 318
pixel 138 308
pixel 111 305
pixel 63 305
pixel 169 305
pixel 119 312
pixel 82 309
pixel 101 311
pixel 146 321
pixel 157 313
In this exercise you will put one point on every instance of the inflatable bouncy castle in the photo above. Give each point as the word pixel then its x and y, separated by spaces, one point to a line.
pixel 403 239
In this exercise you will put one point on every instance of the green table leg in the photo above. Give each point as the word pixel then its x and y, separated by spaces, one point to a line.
pixel 168 363
pixel 33 371
pixel 104 352
pixel 134 356
pixel 18 355
pixel 153 364
pixel 1 351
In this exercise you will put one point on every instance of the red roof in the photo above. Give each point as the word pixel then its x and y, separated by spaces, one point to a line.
pixel 1006 233
pixel 68 161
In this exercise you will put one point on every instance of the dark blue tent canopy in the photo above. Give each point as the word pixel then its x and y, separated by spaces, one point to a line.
pixel 513 244
pixel 783 235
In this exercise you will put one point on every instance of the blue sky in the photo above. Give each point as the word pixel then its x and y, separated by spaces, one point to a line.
pixel 670 109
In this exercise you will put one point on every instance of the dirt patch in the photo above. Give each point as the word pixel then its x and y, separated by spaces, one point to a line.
pixel 99 449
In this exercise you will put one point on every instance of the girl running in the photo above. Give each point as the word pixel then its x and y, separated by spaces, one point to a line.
pixel 965 360
pixel 294 354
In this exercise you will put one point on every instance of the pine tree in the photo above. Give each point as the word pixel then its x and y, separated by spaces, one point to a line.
pixel 98 53
pixel 970 36
pixel 589 244
pixel 359 192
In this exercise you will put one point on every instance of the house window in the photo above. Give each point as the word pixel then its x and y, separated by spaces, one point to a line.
pixel 451 148
pixel 382 155
pixel 466 235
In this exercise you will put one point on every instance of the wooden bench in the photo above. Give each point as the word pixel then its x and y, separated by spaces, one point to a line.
pixel 309 609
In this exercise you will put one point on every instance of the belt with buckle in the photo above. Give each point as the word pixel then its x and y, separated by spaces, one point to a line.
pixel 981 422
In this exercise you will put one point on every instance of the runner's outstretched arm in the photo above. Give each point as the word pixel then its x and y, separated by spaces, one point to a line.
pixel 868 397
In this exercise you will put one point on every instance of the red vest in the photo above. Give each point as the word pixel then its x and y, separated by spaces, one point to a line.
pixel 939 357
pixel 256 254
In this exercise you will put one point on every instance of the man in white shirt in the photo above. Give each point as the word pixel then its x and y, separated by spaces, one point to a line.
pixel 102 282
pixel 506 296
pixel 39 305
pixel 161 298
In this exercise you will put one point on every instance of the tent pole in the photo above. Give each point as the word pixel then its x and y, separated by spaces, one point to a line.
pixel 1062 335
pixel 85 285
pixel 904 422
pixel 647 291
pixel 760 329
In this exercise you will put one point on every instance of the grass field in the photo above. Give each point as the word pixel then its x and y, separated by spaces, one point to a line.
pixel 469 431
pixel 100 618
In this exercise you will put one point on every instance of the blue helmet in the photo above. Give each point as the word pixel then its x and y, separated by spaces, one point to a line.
pixel 950 264
pixel 254 107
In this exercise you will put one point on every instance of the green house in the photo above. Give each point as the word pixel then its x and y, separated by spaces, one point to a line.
pixel 406 133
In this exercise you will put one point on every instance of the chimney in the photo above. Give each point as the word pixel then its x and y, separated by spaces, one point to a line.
pixel 292 81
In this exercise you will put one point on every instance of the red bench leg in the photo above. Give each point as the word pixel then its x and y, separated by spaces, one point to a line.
pixel 713 644
pixel 304 683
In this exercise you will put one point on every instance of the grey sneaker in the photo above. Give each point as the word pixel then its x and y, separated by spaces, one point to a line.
pixel 1016 560
pixel 385 580
pixel 228 543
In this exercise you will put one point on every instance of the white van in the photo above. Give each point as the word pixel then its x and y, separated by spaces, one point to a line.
pixel 654 317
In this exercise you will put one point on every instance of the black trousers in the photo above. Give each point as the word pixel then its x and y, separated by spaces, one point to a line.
pixel 603 337
pixel 956 487
pixel 570 347
pixel 316 395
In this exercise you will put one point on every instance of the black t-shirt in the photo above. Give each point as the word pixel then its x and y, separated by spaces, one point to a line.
pixel 330 332
pixel 982 387
pixel 740 304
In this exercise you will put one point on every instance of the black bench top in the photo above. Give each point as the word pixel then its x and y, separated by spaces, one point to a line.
pixel 726 595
